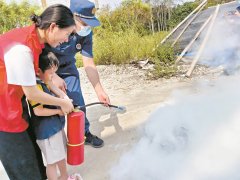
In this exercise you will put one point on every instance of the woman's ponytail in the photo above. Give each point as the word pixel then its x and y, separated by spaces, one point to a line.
pixel 36 19
pixel 57 13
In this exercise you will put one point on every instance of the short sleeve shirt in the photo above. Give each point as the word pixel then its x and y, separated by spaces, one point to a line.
pixel 66 53
pixel 21 71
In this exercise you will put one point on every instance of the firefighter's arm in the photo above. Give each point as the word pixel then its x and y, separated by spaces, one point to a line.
pixel 93 77
pixel 59 82
pixel 58 92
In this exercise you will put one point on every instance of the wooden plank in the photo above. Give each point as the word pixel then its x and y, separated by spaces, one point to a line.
pixel 182 22
pixel 44 3
pixel 194 38
pixel 203 43
pixel 184 29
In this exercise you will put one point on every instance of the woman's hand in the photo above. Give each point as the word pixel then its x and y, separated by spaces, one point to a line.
pixel 66 106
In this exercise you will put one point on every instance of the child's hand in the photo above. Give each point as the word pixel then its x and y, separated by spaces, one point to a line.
pixel 60 113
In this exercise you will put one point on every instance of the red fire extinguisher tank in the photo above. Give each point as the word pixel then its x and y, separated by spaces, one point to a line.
pixel 75 134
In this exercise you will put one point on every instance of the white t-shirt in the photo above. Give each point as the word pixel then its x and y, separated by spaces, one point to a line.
pixel 19 66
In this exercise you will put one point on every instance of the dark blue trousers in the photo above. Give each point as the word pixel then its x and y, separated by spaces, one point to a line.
pixel 18 156
pixel 74 92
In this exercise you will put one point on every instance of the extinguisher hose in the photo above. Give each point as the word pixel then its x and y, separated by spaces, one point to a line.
pixel 120 108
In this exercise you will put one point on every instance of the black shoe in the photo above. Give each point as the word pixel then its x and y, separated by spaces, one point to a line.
pixel 93 140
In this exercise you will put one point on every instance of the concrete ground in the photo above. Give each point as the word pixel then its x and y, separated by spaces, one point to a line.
pixel 126 86
pixel 121 131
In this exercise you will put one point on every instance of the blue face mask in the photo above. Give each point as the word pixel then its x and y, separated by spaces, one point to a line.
pixel 85 31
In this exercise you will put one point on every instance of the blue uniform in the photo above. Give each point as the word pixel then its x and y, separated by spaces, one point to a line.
pixel 67 69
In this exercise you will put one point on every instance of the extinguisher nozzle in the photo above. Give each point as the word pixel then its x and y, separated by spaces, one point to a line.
pixel 121 109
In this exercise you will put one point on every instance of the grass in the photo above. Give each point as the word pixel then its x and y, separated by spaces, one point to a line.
pixel 126 47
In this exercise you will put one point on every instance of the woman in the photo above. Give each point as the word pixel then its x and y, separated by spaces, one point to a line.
pixel 19 52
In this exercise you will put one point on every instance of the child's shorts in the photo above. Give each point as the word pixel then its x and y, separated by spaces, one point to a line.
pixel 54 148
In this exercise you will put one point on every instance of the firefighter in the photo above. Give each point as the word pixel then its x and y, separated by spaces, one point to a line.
pixel 67 77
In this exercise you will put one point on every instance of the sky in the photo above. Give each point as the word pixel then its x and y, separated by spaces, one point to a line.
pixel 111 3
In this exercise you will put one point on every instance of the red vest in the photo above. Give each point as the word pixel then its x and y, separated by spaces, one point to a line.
pixel 10 95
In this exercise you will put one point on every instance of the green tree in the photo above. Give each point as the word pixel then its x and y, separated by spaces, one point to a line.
pixel 180 12
pixel 15 15
pixel 132 14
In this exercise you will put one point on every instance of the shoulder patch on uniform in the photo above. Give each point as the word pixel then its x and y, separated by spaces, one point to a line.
pixel 78 46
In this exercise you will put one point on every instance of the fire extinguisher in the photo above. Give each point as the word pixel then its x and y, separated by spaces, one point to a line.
pixel 75 134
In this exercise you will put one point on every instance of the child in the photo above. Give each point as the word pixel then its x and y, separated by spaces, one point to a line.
pixel 48 121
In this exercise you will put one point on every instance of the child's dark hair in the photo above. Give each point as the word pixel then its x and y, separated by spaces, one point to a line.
pixel 57 13
pixel 47 60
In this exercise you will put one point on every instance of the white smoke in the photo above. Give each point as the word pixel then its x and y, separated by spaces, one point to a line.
pixel 223 47
pixel 195 138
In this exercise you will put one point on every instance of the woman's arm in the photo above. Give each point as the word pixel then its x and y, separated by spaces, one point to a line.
pixel 41 111
pixel 34 94
pixel 21 72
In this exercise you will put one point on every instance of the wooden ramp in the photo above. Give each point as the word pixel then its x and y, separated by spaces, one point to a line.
pixel 191 35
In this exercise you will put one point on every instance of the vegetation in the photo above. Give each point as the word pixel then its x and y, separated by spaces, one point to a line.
pixel 180 12
pixel 128 33
pixel 164 62
pixel 15 15
pixel 215 2
pixel 124 47
pixel 132 32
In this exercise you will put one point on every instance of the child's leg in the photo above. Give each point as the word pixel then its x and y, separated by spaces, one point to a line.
pixel 52 171
pixel 63 169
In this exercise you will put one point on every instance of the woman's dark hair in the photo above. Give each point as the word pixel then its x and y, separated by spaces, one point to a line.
pixel 57 13
pixel 47 60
